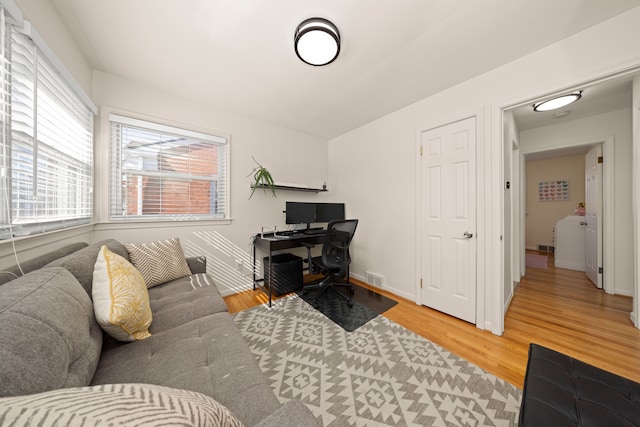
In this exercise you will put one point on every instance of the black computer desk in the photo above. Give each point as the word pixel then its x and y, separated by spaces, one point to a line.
pixel 273 242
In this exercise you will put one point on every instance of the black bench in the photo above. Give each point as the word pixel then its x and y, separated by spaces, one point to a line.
pixel 562 391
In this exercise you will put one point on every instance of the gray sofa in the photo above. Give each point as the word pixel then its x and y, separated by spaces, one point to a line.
pixel 49 340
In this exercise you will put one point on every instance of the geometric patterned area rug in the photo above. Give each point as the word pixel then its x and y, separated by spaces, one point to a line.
pixel 379 375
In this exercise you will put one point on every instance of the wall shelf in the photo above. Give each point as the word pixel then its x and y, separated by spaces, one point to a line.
pixel 291 188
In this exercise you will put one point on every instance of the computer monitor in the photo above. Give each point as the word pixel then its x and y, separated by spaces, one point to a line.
pixel 327 212
pixel 300 213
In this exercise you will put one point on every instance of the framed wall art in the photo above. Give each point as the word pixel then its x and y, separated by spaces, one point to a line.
pixel 553 191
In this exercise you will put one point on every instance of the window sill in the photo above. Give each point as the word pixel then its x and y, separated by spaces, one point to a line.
pixel 127 224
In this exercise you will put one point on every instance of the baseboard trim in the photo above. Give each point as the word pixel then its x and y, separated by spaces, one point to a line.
pixel 386 287
pixel 508 301
pixel 570 265
pixel 227 292
pixel 623 293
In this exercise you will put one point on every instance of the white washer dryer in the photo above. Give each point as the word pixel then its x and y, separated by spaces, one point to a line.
pixel 570 243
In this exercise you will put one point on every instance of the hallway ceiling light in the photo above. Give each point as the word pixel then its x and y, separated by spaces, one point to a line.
pixel 317 41
pixel 557 102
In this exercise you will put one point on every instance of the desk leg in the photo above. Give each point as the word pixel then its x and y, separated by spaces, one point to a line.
pixel 254 267
pixel 270 276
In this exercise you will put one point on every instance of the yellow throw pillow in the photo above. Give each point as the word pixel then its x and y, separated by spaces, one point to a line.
pixel 120 298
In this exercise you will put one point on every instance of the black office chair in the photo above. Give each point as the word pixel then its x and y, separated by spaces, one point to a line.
pixel 334 261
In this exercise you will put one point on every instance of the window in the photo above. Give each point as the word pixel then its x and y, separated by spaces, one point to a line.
pixel 161 172
pixel 46 145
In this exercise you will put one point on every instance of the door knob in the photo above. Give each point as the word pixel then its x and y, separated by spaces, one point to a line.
pixel 467 235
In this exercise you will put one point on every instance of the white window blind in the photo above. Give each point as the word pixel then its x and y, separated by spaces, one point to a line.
pixel 162 172
pixel 5 94
pixel 47 144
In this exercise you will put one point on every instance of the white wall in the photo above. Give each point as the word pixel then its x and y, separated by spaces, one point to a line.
pixel 47 22
pixel 618 125
pixel 289 155
pixel 385 204
pixel 373 171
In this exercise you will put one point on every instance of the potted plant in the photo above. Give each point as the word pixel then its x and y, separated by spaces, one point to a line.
pixel 262 178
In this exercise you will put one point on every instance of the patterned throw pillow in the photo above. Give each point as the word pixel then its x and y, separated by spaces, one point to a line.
pixel 159 262
pixel 120 298
pixel 118 405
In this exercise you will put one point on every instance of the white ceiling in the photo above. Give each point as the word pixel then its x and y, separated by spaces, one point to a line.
pixel 599 98
pixel 238 55
pixel 596 99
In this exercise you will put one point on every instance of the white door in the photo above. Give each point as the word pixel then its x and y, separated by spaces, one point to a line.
pixel 448 215
pixel 593 192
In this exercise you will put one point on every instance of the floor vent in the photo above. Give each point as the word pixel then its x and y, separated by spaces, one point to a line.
pixel 374 279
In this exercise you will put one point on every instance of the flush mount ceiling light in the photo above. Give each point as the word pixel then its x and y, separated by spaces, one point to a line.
pixel 557 102
pixel 317 41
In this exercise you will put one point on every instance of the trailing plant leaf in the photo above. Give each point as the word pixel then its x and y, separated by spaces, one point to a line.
pixel 262 178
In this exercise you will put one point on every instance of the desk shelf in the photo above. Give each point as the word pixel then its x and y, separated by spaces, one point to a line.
pixel 291 188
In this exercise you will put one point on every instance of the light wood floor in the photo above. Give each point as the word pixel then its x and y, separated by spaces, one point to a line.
pixel 557 308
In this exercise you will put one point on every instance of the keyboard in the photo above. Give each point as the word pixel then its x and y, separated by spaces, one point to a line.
pixel 315 231
pixel 281 236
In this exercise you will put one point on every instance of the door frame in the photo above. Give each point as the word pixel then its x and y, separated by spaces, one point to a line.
pixel 599 223
pixel 483 189
pixel 513 263
pixel 497 124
